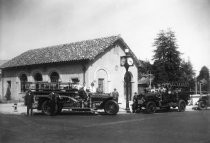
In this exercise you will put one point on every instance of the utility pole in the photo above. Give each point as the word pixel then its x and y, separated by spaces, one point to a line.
pixel 196 88
pixel 150 80
pixel 200 88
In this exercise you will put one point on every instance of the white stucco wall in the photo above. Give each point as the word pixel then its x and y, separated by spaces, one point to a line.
pixel 110 62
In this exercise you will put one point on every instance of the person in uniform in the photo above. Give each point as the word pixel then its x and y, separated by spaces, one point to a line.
pixel 52 104
pixel 135 102
pixel 29 102
pixel 115 95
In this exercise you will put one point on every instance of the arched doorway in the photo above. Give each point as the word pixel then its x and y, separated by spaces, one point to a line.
pixel 128 83
pixel 54 77
pixel 23 80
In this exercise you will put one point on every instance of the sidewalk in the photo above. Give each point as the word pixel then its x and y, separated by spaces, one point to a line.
pixel 8 108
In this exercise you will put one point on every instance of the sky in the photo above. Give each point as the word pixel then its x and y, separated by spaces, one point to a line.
pixel 31 24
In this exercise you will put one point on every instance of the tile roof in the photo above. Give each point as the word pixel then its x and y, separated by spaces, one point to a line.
pixel 83 50
pixel 3 61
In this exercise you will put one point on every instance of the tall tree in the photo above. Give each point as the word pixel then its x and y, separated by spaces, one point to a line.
pixel 203 78
pixel 167 61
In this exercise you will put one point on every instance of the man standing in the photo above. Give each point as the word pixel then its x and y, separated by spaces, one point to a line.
pixel 115 95
pixel 135 102
pixel 29 102
pixel 53 102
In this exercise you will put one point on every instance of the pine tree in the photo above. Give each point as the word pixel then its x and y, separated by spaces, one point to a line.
pixel 167 61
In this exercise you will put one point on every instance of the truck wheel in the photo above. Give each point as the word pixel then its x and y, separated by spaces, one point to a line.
pixel 151 107
pixel 181 106
pixel 46 107
pixel 202 105
pixel 111 107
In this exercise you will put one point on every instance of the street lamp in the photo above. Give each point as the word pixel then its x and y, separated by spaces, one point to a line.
pixel 126 61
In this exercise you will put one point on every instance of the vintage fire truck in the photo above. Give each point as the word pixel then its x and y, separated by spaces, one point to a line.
pixel 66 96
pixel 174 95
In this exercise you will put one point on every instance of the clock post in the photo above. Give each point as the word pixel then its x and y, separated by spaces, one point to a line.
pixel 126 61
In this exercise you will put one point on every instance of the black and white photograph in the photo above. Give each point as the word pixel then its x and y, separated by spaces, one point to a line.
pixel 108 71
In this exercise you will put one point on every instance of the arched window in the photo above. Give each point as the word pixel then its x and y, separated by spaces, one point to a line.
pixel 54 77
pixel 23 80
pixel 38 77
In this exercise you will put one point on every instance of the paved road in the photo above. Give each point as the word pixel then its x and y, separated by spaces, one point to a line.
pixel 171 127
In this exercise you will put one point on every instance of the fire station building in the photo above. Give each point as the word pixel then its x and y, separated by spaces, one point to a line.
pixel 93 62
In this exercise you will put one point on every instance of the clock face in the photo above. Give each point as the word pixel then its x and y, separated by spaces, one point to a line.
pixel 123 60
pixel 130 61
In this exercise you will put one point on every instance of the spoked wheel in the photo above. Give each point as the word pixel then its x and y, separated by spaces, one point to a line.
pixel 46 108
pixel 151 107
pixel 181 106
pixel 202 105
pixel 111 107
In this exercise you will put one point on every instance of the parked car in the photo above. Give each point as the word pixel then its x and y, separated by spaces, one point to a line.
pixel 67 97
pixel 203 102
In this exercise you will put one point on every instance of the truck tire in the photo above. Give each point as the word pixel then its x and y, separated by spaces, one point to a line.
pixel 181 106
pixel 202 105
pixel 151 107
pixel 46 107
pixel 111 107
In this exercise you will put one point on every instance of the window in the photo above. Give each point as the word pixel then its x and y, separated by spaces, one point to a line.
pixel 38 77
pixel 54 77
pixel 23 80
pixel 101 85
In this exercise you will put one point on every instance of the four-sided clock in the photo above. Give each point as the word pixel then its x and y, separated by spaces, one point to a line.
pixel 126 60
pixel 122 60
pixel 130 61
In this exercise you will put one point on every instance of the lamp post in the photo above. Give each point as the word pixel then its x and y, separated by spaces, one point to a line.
pixel 126 61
